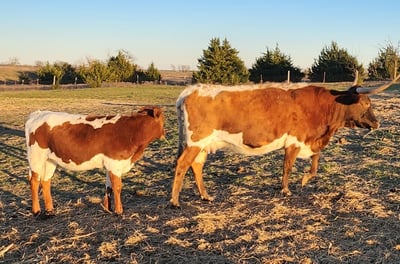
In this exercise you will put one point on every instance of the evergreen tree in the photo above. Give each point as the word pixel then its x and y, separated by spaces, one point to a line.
pixel 334 64
pixel 383 66
pixel 120 67
pixel 52 73
pixel 152 73
pixel 95 74
pixel 274 66
pixel 220 64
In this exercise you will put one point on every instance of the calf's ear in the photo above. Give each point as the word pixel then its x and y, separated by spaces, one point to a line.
pixel 157 112
pixel 153 111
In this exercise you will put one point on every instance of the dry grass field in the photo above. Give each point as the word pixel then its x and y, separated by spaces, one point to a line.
pixel 349 214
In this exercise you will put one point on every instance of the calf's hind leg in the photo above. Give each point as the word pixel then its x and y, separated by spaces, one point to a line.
pixel 44 181
pixel 34 184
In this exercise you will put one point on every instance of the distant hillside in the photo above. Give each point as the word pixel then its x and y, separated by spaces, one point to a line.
pixel 11 73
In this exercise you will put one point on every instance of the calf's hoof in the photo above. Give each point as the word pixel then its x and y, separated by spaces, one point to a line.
pixel 36 214
pixel 174 204
pixel 49 213
pixel 119 214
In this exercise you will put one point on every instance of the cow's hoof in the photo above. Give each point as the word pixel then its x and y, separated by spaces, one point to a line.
pixel 286 192
pixel 207 198
pixel 46 215
pixel 306 178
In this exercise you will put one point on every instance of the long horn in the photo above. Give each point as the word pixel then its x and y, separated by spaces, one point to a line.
pixel 372 90
pixel 355 79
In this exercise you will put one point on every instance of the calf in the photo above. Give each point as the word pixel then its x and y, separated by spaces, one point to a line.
pixel 79 142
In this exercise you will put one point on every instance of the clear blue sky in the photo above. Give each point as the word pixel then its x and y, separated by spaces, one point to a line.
pixel 175 32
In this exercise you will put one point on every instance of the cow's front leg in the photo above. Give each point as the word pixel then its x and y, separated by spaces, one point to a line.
pixel 313 171
pixel 34 184
pixel 183 163
pixel 197 168
pixel 291 153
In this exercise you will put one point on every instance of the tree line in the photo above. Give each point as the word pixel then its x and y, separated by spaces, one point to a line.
pixel 221 64
pixel 119 68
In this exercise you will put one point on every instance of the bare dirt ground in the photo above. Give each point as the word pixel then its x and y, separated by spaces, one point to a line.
pixel 349 214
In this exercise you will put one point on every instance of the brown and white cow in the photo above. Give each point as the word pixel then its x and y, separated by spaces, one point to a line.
pixel 257 119
pixel 79 142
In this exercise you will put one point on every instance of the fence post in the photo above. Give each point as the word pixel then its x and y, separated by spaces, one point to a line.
pixel 323 80
pixel 288 76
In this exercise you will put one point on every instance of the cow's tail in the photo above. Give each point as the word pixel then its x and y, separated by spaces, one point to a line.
pixel 180 105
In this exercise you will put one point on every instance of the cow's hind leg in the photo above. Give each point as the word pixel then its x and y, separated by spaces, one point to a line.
pixel 197 168
pixel 313 170
pixel 183 163
pixel 291 153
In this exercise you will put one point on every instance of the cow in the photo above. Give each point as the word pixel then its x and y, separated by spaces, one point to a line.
pixel 256 119
pixel 80 142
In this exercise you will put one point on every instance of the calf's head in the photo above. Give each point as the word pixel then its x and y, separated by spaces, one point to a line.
pixel 159 120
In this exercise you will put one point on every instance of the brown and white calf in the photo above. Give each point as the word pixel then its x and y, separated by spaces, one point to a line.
pixel 79 142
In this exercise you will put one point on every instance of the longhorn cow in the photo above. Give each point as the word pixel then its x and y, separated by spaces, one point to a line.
pixel 257 119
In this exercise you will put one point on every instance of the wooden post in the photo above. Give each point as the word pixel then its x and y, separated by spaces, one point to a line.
pixel 261 79
pixel 54 80
pixel 323 80
pixel 288 76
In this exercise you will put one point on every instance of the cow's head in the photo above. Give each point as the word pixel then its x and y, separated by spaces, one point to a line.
pixel 359 111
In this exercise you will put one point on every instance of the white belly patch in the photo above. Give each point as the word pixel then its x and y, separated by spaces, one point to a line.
pixel 40 158
pixel 220 139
